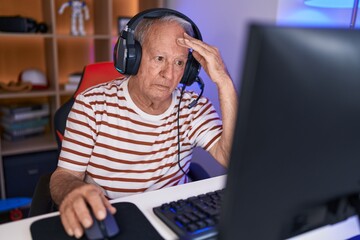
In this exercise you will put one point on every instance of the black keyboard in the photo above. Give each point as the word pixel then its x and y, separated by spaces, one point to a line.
pixel 196 217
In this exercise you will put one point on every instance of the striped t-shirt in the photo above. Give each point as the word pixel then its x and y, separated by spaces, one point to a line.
pixel 125 150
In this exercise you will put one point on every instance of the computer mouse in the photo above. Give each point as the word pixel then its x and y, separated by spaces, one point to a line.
pixel 102 229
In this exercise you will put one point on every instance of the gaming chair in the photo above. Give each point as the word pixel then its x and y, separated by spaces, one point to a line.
pixel 92 75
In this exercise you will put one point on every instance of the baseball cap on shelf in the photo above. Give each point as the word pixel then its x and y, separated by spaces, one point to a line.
pixel 35 77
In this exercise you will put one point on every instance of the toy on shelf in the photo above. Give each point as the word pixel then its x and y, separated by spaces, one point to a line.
pixel 79 11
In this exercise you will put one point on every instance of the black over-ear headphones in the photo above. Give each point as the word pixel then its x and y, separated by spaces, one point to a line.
pixel 127 50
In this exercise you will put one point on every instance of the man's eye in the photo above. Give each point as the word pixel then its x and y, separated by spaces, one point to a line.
pixel 159 58
pixel 179 63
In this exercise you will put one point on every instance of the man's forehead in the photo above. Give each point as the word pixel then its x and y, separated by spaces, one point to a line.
pixel 162 36
pixel 165 29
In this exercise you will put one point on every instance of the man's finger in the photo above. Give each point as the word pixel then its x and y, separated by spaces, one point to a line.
pixel 94 199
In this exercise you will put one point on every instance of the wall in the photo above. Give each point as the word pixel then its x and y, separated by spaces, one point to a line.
pixel 224 24
pixel 295 12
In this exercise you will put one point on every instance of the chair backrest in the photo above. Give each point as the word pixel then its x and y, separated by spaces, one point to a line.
pixel 92 74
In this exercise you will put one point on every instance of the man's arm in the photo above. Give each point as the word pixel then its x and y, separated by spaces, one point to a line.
pixel 73 196
pixel 228 104
pixel 210 59
pixel 64 181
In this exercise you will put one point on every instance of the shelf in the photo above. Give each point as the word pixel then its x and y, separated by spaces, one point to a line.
pixel 35 144
pixel 30 94
pixel 103 36
pixel 66 92
pixel 26 35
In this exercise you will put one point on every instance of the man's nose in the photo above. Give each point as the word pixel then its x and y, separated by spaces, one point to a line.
pixel 167 70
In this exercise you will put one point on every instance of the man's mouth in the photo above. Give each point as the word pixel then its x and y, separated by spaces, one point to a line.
pixel 162 87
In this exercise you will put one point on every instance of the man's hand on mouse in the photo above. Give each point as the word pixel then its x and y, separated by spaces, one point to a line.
pixel 74 209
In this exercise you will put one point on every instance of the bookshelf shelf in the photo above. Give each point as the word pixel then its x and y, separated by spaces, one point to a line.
pixel 35 144
pixel 57 54
pixel 89 37
pixel 31 94
pixel 26 35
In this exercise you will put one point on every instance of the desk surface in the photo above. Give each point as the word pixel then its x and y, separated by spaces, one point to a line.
pixel 146 201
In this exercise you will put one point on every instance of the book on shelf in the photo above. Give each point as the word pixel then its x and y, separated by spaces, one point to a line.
pixel 25 115
pixel 21 107
pixel 25 131
pixel 29 123
pixel 20 121
pixel 10 137
pixel 75 77
pixel 70 86
pixel 73 81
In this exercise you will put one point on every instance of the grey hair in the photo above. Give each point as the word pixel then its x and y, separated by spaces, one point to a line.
pixel 142 29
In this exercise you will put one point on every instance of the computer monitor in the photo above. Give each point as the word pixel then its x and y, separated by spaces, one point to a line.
pixel 295 160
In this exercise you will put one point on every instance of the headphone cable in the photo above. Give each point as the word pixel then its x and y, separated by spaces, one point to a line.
pixel 178 130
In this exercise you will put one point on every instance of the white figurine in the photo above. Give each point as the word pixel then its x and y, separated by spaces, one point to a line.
pixel 77 16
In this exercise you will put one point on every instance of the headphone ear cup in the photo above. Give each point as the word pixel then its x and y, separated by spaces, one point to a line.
pixel 127 57
pixel 191 71
pixel 119 55
pixel 134 59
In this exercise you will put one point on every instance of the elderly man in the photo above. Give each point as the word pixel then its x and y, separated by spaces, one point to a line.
pixel 137 134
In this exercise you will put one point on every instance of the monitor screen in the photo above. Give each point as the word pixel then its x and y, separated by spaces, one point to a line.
pixel 295 160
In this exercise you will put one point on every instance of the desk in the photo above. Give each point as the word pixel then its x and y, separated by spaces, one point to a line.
pixel 20 230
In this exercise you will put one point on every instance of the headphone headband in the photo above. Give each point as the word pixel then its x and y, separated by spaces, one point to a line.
pixel 158 13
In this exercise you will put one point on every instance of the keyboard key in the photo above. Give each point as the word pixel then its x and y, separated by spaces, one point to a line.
pixel 182 219
pixel 191 216
pixel 192 227
pixel 201 224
